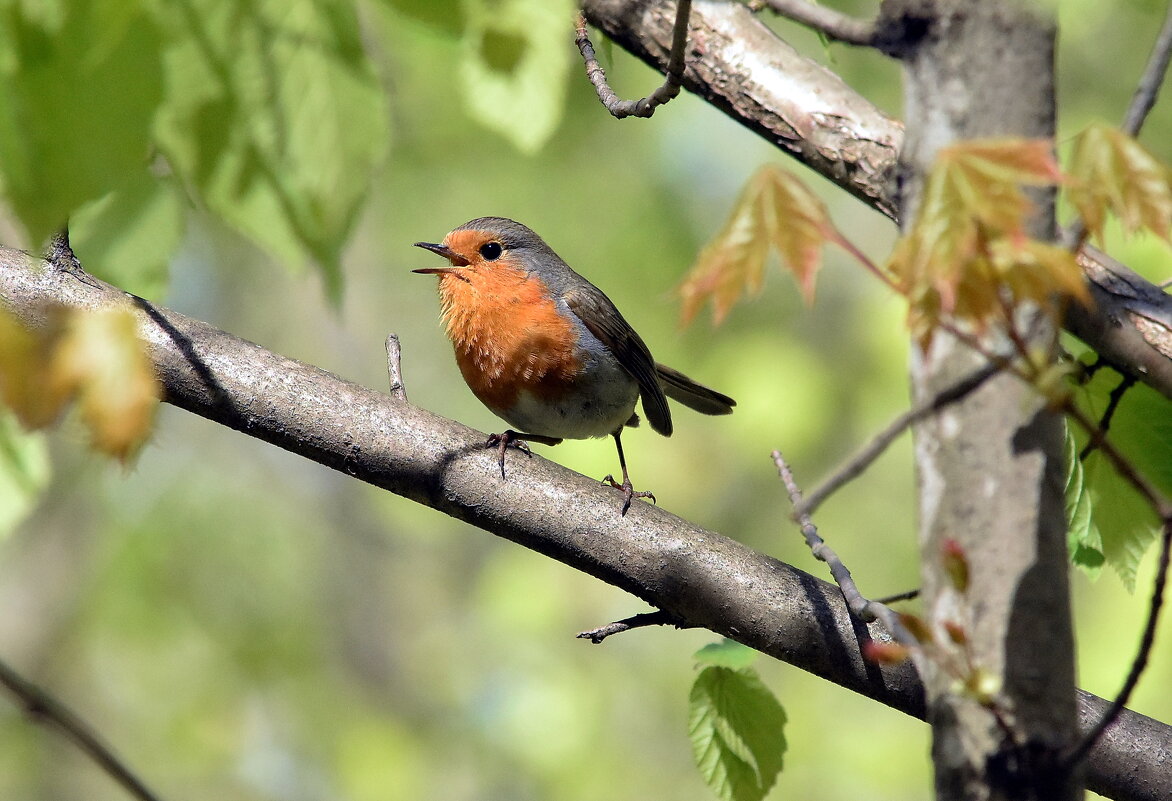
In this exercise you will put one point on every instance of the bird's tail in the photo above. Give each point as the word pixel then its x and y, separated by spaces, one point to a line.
pixel 679 387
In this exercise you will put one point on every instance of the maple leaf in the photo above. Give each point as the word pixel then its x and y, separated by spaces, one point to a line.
pixel 775 210
pixel 967 253
pixel 1113 173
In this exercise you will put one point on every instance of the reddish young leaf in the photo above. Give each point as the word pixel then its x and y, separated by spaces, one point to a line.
pixel 1112 173
pixel 967 252
pixel 775 210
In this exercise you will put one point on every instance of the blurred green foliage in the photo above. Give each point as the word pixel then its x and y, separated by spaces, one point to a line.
pixel 241 624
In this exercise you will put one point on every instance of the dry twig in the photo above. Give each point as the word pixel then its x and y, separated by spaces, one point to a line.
pixel 645 106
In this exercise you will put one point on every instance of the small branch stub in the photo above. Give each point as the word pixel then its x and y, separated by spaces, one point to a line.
pixel 395 369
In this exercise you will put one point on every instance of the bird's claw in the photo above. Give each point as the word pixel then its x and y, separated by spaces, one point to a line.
pixel 629 493
pixel 503 442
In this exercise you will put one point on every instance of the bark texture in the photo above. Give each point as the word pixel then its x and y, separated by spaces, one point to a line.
pixel 990 468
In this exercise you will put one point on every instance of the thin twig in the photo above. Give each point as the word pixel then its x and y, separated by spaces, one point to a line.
pixel 395 368
pixel 1120 462
pixel 875 448
pixel 1152 79
pixel 1088 742
pixel 863 608
pixel 674 79
pixel 907 595
pixel 836 25
pixel 1126 382
pixel 822 551
pixel 657 618
pixel 43 707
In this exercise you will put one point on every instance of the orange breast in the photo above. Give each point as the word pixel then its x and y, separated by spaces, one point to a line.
pixel 508 336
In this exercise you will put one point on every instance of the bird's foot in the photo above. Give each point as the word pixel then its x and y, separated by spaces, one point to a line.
pixel 502 442
pixel 629 493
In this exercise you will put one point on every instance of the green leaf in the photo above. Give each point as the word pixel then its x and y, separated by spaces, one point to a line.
pixel 1141 430
pixel 275 118
pixel 24 472
pixel 726 653
pixel 516 61
pixel 79 85
pixel 737 731
pixel 128 236
pixel 1082 535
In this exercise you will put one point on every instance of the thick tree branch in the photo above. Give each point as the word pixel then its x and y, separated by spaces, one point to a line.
pixel 695 575
pixel 808 112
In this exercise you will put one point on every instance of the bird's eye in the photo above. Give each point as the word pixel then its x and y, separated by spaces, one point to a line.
pixel 491 251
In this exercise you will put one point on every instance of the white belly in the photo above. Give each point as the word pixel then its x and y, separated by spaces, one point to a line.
pixel 599 406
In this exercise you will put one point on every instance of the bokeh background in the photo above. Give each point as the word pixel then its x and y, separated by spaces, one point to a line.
pixel 242 624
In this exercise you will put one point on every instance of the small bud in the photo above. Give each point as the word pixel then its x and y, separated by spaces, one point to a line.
pixel 918 628
pixel 956 632
pixel 956 564
pixel 885 653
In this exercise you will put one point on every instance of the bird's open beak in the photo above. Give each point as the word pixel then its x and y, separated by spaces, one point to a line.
pixel 457 261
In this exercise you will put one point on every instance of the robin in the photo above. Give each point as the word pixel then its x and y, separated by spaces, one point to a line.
pixel 545 350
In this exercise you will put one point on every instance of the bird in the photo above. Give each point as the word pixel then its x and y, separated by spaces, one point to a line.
pixel 546 350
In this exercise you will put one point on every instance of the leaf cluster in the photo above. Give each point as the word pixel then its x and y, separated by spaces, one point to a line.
pixel 95 359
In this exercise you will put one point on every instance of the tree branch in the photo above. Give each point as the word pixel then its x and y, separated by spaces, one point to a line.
pixel 1152 79
pixel 836 25
pixel 43 707
pixel 855 466
pixel 810 113
pixel 696 575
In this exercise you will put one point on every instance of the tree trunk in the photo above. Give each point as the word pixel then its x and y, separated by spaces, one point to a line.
pixel 990 469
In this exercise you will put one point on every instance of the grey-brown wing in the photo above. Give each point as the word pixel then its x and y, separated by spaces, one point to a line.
pixel 603 320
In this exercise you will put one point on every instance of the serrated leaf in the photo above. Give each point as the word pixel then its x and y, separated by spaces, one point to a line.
pixel 1083 539
pixel 129 236
pixel 775 210
pixel 968 242
pixel 726 653
pixel 737 731
pixel 275 118
pixel 1141 430
pixel 79 86
pixel 516 59
pixel 1112 173
pixel 101 358
pixel 24 472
